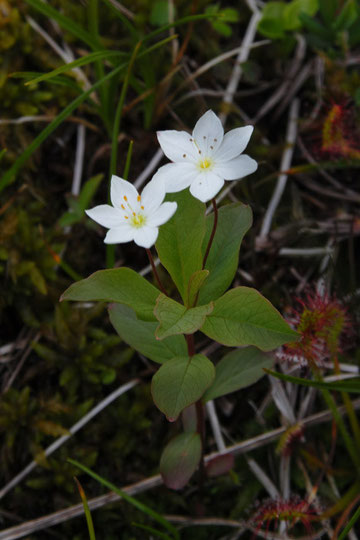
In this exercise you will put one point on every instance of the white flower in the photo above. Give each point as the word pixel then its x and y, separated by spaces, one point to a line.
pixel 204 159
pixel 133 216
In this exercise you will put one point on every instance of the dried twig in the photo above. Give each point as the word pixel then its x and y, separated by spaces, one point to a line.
pixel 242 57
pixel 291 134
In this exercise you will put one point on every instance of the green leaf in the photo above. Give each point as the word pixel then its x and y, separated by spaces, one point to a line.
pixel 180 459
pixel 271 23
pixel 140 335
pixel 121 285
pixel 177 319
pixel 88 191
pixel 180 382
pixel 293 10
pixel 351 385
pixel 242 316
pixel 238 369
pixel 180 240
pixel 195 283
pixel 347 17
pixel 234 221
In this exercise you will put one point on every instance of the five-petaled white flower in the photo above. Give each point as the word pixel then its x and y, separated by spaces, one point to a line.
pixel 204 159
pixel 133 216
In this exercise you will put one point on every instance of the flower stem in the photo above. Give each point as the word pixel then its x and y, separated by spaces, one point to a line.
pixel 212 233
pixel 155 272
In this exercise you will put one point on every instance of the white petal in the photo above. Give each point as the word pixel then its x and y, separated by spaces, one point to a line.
pixel 120 235
pixel 236 168
pixel 177 145
pixel 162 214
pixel 153 195
pixel 106 215
pixel 208 133
pixel 146 236
pixel 177 176
pixel 121 188
pixel 234 142
pixel 206 186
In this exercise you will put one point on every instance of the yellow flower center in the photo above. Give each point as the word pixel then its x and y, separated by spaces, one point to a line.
pixel 137 220
pixel 205 164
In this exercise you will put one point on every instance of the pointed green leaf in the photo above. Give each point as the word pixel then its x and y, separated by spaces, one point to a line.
pixel 347 17
pixel 180 459
pixel 121 285
pixel 233 222
pixel 238 369
pixel 140 335
pixel 176 319
pixel 351 385
pixel 180 382
pixel 242 316
pixel 195 283
pixel 180 240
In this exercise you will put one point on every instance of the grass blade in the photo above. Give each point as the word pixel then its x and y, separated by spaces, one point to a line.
pixel 11 172
pixel 350 525
pixel 153 531
pixel 83 61
pixel 140 506
pixel 89 520
pixel 66 23
pixel 347 385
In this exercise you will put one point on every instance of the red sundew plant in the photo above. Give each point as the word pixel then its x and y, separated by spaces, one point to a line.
pixel 290 438
pixel 291 511
pixel 322 322
pixel 338 137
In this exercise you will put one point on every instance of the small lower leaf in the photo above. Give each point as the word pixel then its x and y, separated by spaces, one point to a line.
pixel 180 382
pixel 220 465
pixel 180 459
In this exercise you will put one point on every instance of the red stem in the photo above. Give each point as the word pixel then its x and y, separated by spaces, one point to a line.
pixel 162 288
pixel 212 233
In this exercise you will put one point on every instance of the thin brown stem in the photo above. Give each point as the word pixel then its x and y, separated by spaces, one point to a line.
pixel 155 272
pixel 212 232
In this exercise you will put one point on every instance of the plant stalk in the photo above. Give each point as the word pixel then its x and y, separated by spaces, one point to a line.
pixel 155 272
pixel 212 232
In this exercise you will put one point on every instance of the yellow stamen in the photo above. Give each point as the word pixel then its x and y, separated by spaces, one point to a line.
pixel 205 164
